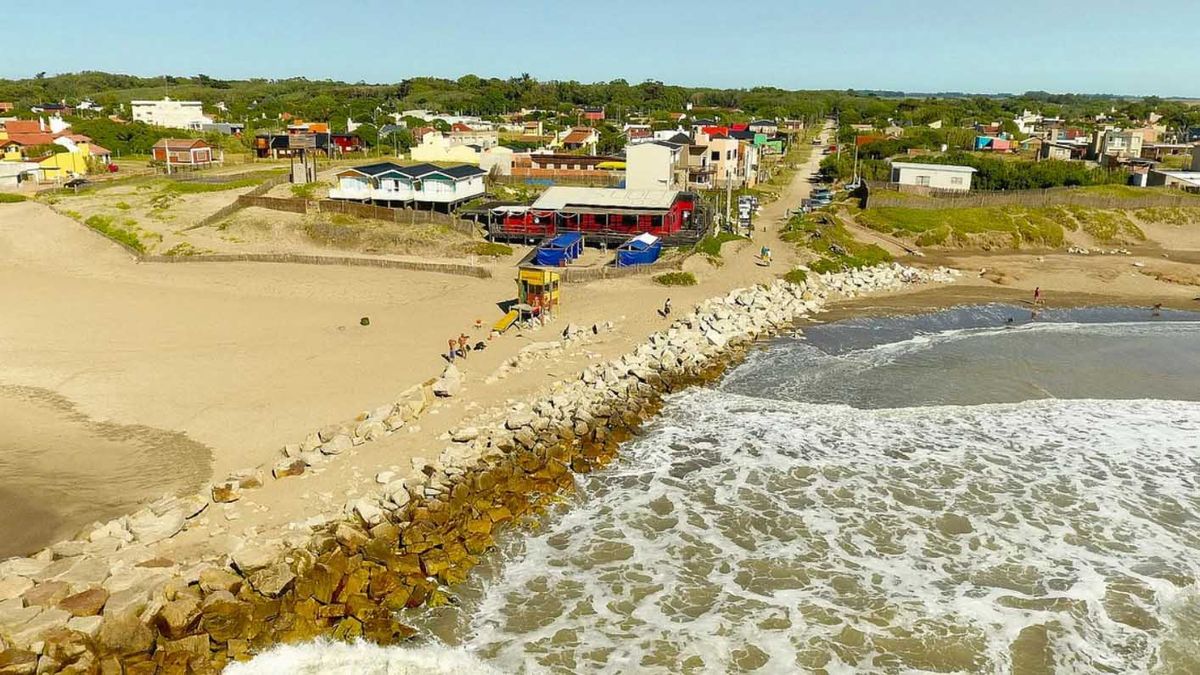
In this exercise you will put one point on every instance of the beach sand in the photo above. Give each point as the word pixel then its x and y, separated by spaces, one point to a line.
pixel 243 358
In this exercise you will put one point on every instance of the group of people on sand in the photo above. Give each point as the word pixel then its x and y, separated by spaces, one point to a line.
pixel 460 346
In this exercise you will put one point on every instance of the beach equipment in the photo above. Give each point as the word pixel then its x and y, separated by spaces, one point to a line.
pixel 643 249
pixel 560 250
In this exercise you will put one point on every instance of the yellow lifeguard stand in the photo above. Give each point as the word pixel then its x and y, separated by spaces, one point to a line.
pixel 538 295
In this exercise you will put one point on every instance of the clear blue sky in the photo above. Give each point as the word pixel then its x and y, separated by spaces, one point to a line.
pixel 1087 46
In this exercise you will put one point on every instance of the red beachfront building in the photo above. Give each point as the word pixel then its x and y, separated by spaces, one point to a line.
pixel 604 215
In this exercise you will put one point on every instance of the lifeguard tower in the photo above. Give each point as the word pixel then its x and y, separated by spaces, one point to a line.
pixel 538 295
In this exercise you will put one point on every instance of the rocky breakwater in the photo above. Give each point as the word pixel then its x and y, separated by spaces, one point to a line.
pixel 83 608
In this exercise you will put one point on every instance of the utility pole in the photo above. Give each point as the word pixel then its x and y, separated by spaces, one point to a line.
pixel 728 195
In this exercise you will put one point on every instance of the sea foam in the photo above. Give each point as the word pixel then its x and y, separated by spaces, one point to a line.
pixel 325 657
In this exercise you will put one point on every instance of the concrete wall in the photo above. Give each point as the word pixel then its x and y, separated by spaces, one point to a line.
pixel 648 166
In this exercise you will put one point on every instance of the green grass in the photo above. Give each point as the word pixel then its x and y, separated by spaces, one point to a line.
pixel 796 277
pixel 105 226
pixel 711 245
pixel 933 227
pixel 839 250
pixel 1168 216
pixel 1106 226
pixel 10 198
pixel 183 249
pixel 304 190
pixel 124 206
pixel 487 249
pixel 185 188
pixel 676 279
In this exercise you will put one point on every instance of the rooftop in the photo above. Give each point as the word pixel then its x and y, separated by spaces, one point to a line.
pixel 935 167
pixel 560 197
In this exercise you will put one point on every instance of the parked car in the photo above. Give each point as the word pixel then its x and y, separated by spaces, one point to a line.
pixel 76 183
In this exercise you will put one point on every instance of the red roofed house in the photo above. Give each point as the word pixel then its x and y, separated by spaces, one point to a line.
pixel 578 138
pixel 25 127
pixel 459 126
pixel 191 152
pixel 593 113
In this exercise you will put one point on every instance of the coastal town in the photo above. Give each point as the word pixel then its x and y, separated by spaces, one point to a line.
pixel 292 360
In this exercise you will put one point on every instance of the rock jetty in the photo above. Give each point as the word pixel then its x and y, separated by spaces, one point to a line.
pixel 103 604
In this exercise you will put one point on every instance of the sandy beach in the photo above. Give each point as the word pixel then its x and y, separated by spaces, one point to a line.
pixel 242 358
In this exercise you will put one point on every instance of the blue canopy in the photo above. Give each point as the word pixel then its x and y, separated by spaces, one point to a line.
pixel 561 249
pixel 641 250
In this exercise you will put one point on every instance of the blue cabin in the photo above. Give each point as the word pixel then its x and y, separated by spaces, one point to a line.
pixel 641 250
pixel 560 250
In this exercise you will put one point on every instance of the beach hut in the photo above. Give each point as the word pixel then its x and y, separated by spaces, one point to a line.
pixel 560 250
pixel 537 296
pixel 641 250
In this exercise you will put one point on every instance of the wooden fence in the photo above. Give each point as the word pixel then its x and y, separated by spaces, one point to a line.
pixel 368 211
pixel 880 197
pixel 345 261
pixel 237 205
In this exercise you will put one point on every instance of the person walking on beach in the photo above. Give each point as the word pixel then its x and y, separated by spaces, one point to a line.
pixel 450 356
pixel 666 310
pixel 1037 295
pixel 464 344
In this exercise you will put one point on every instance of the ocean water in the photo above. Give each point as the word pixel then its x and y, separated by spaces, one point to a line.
pixel 936 493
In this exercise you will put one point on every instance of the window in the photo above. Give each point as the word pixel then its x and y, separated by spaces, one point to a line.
pixel 956 180
pixel 716 156
pixel 922 180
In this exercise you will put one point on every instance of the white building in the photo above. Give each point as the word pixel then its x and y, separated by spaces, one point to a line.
pixel 170 113
pixel 392 184
pixel 498 159
pixel 934 176
pixel 652 166
pixel 1196 158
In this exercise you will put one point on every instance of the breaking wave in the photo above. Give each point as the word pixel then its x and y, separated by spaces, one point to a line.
pixel 748 534
pixel 324 657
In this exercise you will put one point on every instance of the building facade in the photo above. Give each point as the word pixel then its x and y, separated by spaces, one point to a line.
pixel 933 176
pixel 170 113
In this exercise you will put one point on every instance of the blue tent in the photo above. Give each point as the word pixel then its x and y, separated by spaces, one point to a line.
pixel 560 250
pixel 641 250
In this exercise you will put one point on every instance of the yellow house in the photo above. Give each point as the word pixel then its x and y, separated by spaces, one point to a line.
pixel 65 165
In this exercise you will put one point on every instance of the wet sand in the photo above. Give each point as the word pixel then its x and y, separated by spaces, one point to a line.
pixel 74 470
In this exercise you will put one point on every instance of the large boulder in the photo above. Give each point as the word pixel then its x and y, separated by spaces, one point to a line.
pixel 85 603
pixel 148 528
pixel 450 383
pixel 337 445
pixel 14 587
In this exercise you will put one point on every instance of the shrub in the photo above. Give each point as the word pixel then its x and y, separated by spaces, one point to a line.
pixel 10 198
pixel 304 190
pixel 487 249
pixel 183 248
pixel 711 245
pixel 676 279
pixel 796 276
pixel 104 225
pixel 124 206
